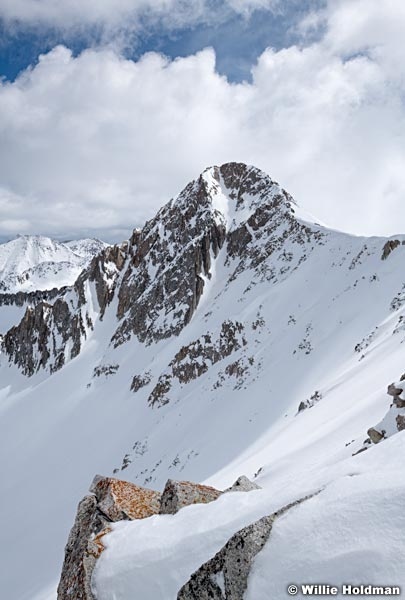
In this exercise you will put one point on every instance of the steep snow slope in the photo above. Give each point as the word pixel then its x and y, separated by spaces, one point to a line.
pixel 34 262
pixel 199 339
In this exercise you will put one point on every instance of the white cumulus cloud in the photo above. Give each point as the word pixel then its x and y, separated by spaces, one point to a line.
pixel 98 142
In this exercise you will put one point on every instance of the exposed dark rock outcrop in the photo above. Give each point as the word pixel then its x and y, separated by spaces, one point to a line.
pixel 225 576
pixel 394 420
pixel 171 256
pixel 389 247
pixel 194 360
pixel 51 333
pixel 41 338
pixel 31 298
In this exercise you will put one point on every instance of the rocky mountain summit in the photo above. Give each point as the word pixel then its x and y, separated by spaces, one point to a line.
pixel 231 334
pixel 158 277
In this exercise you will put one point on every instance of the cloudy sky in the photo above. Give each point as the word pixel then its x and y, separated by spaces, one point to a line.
pixel 109 107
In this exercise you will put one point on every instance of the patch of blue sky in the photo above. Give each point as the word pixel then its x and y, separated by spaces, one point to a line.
pixel 237 40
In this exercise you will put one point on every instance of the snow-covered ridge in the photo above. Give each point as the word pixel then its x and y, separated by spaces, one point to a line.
pixel 34 262
pixel 186 353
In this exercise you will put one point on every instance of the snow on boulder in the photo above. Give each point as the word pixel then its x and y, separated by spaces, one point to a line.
pixel 394 420
pixel 113 500
pixel 225 576
pixel 178 494
pixel 243 484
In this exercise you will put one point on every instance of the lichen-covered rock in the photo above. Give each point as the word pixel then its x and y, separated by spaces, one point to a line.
pixel 113 500
pixel 178 494
pixel 120 500
pixel 225 576
pixel 243 484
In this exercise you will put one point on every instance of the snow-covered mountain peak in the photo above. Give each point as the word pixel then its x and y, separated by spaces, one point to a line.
pixel 228 335
pixel 234 191
pixel 36 262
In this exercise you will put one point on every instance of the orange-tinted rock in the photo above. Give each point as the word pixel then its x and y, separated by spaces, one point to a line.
pixel 120 500
pixel 113 500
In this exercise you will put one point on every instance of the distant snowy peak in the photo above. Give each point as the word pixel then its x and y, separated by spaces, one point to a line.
pixel 86 248
pixel 34 262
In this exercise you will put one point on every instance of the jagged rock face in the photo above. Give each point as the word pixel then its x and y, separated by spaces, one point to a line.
pixel 30 298
pixel 171 257
pixel 225 576
pixel 41 338
pixel 103 272
pixel 50 334
pixel 178 494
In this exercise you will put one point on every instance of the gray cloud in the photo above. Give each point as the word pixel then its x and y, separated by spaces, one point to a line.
pixel 128 13
pixel 99 142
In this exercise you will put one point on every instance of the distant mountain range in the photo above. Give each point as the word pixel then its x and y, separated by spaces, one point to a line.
pixel 35 262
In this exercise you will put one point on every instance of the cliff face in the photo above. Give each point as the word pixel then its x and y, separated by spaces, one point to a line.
pixel 53 332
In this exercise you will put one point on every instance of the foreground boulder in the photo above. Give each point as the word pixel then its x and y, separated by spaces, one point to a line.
pixel 80 559
pixel 119 500
pixel 178 494
pixel 225 576
pixel 113 500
